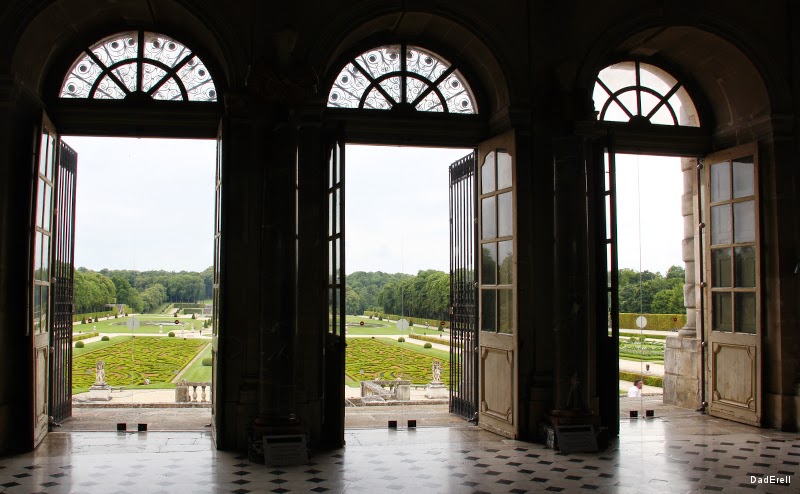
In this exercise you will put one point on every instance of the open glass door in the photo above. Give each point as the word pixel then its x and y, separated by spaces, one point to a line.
pixel 62 277
pixel 732 281
pixel 497 368
pixel 602 166
pixel 333 416
pixel 463 287
pixel 216 300
pixel 45 155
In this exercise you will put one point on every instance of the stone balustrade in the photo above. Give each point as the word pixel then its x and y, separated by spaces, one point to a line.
pixel 187 392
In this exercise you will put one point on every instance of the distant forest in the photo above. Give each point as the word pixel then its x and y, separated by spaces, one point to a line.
pixel 427 294
pixel 142 291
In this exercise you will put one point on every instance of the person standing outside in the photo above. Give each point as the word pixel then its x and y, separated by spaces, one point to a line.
pixel 635 391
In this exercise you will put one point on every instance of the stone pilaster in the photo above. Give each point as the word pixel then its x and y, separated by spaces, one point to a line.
pixel 683 353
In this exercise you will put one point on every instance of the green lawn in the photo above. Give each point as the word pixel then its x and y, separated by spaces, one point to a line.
pixel 374 327
pixel 385 358
pixel 131 360
pixel 149 323
pixel 197 372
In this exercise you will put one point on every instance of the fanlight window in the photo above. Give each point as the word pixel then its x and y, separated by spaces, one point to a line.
pixel 640 92
pixel 139 63
pixel 401 76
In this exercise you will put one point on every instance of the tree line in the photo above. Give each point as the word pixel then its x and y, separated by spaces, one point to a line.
pixel 142 291
pixel 652 293
pixel 427 294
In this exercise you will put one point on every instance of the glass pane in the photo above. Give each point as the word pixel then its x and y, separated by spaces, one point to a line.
pixel 47 208
pixel 505 215
pixel 743 177
pixel 331 266
pixel 721 224
pixel 746 313
pixel 505 308
pixel 338 261
pixel 608 218
pixel 45 307
pixel 488 218
pixel 745 268
pixel 337 157
pixel 744 222
pixel 720 268
pixel 722 312
pixel 503 170
pixel 487 174
pixel 338 198
pixel 331 214
pixel 489 264
pixel 43 148
pixel 40 203
pixel 615 113
pixel 331 169
pixel 505 255
pixel 488 310
pixel 45 258
pixel 37 305
pixel 37 254
pixel 720 182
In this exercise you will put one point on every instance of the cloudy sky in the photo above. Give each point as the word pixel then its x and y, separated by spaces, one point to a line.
pixel 144 203
pixel 149 203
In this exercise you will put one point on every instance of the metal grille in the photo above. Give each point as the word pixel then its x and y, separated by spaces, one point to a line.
pixel 463 288
pixel 63 272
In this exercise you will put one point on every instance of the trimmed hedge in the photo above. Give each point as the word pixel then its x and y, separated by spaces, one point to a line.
pixel 105 338
pixel 193 310
pixel 132 360
pixel 79 344
pixel 93 315
pixel 388 361
pixel 187 305
pixel 655 322
pixel 83 336
pixel 656 381
pixel 206 362
pixel 418 321
pixel 434 339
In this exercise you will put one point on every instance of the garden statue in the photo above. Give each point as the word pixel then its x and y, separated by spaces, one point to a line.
pixel 437 371
pixel 100 373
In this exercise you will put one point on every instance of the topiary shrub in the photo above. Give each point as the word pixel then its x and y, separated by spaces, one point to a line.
pixel 171 334
pixel 427 345
pixel 105 338
pixel 207 361
pixel 410 323
pixel 83 320
pixel 78 344
pixel 401 339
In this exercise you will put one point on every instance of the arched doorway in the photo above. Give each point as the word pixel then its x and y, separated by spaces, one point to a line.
pixel 112 83
pixel 707 366
pixel 407 93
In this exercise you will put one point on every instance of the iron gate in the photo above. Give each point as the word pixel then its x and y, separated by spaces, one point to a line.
pixel 463 287
pixel 62 267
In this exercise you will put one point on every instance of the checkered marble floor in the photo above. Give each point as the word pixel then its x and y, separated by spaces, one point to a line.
pixel 687 454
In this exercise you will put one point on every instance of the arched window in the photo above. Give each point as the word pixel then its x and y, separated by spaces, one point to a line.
pixel 639 92
pixel 139 63
pixel 401 76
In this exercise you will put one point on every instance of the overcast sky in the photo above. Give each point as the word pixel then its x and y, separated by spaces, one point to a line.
pixel 149 204
pixel 144 203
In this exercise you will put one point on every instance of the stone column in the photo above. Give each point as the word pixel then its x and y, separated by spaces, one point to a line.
pixel 569 307
pixel 683 353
